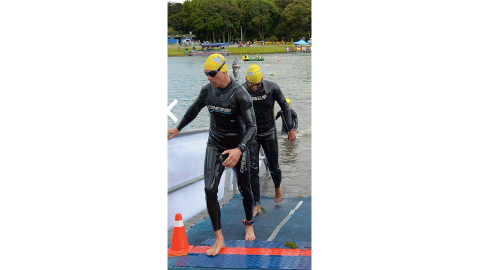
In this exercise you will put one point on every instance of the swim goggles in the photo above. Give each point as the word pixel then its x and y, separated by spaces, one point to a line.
pixel 213 73
pixel 254 84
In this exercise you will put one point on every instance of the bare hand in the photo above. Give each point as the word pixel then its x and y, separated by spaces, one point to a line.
pixel 173 132
pixel 292 135
pixel 233 156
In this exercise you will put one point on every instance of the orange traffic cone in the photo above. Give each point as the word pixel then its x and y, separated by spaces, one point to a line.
pixel 179 246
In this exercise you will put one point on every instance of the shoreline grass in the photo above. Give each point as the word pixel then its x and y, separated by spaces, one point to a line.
pixel 252 50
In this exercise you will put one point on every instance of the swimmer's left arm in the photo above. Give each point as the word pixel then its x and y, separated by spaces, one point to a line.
pixel 280 98
pixel 278 115
pixel 244 102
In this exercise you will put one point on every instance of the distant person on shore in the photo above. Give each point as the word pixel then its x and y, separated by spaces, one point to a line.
pixel 264 95
pixel 232 128
pixel 294 118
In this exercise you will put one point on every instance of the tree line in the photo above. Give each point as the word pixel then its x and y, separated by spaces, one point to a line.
pixel 222 20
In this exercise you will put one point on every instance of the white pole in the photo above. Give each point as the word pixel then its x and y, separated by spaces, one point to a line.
pixel 241 37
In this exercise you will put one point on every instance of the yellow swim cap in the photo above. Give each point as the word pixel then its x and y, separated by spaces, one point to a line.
pixel 288 100
pixel 214 61
pixel 254 74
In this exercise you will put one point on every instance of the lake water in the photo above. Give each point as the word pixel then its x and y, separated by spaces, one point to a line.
pixel 293 75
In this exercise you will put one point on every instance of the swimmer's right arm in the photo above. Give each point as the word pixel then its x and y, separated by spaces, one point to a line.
pixel 191 113
pixel 173 132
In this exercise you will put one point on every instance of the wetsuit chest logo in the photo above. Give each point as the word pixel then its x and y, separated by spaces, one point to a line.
pixel 219 109
pixel 259 98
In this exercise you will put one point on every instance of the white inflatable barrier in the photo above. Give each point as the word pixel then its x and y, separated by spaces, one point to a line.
pixel 186 158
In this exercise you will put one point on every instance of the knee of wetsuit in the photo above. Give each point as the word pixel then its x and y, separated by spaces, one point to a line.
pixel 211 192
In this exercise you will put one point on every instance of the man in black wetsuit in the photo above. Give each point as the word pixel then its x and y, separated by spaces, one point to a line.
pixel 264 94
pixel 294 118
pixel 232 128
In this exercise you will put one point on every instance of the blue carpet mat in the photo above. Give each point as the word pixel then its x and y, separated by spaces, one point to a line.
pixel 297 229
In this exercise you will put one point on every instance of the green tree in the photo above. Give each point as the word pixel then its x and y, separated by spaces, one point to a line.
pixel 210 19
pixel 171 31
pixel 186 10
pixel 175 18
pixel 298 17
pixel 176 21
pixel 281 29
pixel 281 4
pixel 230 14
pixel 213 17
pixel 174 8
pixel 263 15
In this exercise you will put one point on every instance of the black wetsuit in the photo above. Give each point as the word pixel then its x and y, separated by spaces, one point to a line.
pixel 232 125
pixel 294 120
pixel 263 101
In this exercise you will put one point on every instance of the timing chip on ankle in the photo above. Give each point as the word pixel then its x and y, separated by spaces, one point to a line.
pixel 246 223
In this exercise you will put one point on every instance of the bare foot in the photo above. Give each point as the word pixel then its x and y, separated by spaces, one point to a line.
pixel 219 244
pixel 257 210
pixel 278 194
pixel 249 234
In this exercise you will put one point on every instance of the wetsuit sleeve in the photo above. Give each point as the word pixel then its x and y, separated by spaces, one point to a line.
pixel 280 98
pixel 279 113
pixel 194 109
pixel 294 119
pixel 245 104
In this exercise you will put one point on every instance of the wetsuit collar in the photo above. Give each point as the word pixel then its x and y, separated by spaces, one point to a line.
pixel 226 87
